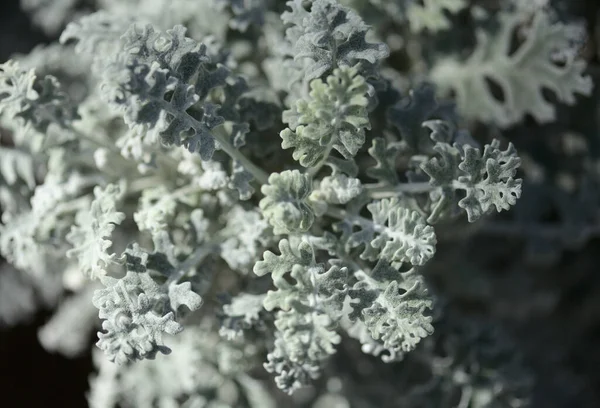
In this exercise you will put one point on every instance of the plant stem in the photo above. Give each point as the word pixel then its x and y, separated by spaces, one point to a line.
pixel 194 259
pixel 341 214
pixel 381 191
pixel 141 184
pixel 258 173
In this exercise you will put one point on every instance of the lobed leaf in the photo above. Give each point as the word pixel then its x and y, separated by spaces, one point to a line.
pixel 546 59
pixel 89 236
pixel 393 306
pixel 395 234
pixel 335 117
pixel 487 177
pixel 285 204
pixel 329 36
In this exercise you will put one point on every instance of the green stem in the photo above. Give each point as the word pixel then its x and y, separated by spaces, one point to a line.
pixel 194 259
pixel 221 136
pixel 186 190
pixel 165 159
pixel 378 191
pixel 343 215
pixel 312 172
pixel 168 160
pixel 72 206
pixel 335 212
pixel 82 136
pixel 141 184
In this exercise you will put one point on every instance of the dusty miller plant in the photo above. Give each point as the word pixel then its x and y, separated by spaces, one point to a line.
pixel 248 183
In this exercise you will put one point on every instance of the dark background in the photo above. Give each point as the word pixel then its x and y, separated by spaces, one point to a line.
pixel 29 376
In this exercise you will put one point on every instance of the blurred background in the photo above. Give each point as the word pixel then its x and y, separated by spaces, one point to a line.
pixel 542 286
pixel 29 376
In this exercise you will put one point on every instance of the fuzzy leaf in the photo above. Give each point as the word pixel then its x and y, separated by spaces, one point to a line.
pixel 385 154
pixel 431 14
pixel 16 165
pixel 359 331
pixel 329 36
pixel 286 202
pixel 182 294
pixel 38 102
pixel 148 108
pixel 133 328
pixel 136 310
pixel 338 189
pixel 278 265
pixel 20 246
pixel 240 180
pixel 546 59
pixel 393 306
pixel 487 177
pixel 408 115
pixel 241 313
pixel 310 307
pixel 335 117
pixel 309 281
pixel 245 236
pixel 245 13
pixel 396 234
pixel 156 207
pixel 157 64
pixel 303 343
pixel 96 33
pixel 89 236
